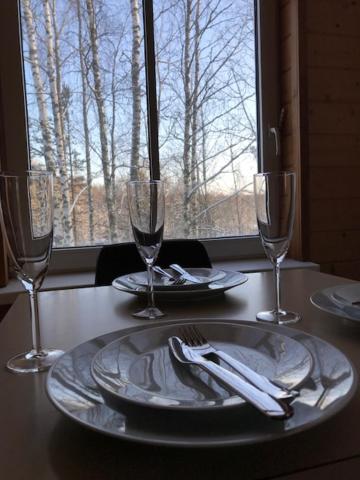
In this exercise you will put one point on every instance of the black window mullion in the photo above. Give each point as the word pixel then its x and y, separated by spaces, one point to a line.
pixel 150 70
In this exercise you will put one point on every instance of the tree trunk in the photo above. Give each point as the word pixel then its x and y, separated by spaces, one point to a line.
pixel 58 74
pixel 236 188
pixel 100 103
pixel 187 118
pixel 136 93
pixel 194 125
pixel 113 152
pixel 72 168
pixel 84 100
pixel 58 122
pixel 43 114
pixel 208 217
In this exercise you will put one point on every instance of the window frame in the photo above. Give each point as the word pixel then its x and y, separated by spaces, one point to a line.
pixel 13 126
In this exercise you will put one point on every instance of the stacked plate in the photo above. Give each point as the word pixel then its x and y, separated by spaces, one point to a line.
pixel 128 385
pixel 210 282
pixel 341 300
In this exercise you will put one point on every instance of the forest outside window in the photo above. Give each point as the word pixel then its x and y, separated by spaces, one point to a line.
pixel 85 87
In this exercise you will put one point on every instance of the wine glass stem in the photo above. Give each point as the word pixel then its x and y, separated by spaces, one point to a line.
pixel 277 285
pixel 151 301
pixel 35 321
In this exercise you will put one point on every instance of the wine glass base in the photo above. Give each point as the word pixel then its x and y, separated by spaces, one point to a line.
pixel 280 317
pixel 150 313
pixel 33 362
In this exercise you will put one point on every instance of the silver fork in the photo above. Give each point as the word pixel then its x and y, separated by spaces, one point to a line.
pixel 176 280
pixel 194 339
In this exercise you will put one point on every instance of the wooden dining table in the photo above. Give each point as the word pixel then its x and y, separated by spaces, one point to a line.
pixel 39 442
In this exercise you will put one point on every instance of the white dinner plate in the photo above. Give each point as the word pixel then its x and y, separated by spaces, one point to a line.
pixel 348 295
pixel 139 369
pixel 229 280
pixel 338 300
pixel 326 391
pixel 204 275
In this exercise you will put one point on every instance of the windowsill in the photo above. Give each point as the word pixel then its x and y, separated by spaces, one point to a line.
pixel 62 281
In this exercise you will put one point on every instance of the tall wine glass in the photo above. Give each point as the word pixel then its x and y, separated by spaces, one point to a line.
pixel 147 208
pixel 26 216
pixel 275 210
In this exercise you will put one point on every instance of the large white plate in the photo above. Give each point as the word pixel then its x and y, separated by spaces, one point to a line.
pixel 138 368
pixel 204 275
pixel 229 280
pixel 338 300
pixel 327 390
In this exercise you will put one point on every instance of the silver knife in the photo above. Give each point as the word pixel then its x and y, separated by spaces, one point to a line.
pixel 258 380
pixel 163 273
pixel 129 285
pixel 184 273
pixel 262 401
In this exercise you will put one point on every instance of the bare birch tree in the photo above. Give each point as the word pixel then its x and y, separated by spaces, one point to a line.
pixel 58 125
pixel 187 116
pixel 45 128
pixel 211 40
pixel 194 121
pixel 206 104
pixel 136 91
pixel 103 128
pixel 84 109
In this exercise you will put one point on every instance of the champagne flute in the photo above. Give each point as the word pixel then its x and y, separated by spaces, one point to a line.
pixel 26 217
pixel 147 208
pixel 275 210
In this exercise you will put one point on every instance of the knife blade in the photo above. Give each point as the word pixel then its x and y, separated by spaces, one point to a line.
pixel 262 401
pixel 184 273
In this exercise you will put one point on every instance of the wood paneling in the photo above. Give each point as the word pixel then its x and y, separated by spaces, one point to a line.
pixel 323 50
pixel 292 93
pixel 328 62
pixel 334 214
pixel 337 246
pixel 340 17
pixel 334 182
pixel 333 85
pixel 3 256
pixel 334 118
pixel 348 269
pixel 341 150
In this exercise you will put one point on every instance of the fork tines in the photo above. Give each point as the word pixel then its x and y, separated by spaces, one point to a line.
pixel 192 336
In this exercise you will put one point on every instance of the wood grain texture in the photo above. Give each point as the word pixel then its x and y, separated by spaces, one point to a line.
pixel 327 102
pixel 338 246
pixel 334 182
pixel 3 256
pixel 341 150
pixel 339 17
pixel 348 269
pixel 325 50
pixel 331 85
pixel 334 215
pixel 334 118
pixel 292 97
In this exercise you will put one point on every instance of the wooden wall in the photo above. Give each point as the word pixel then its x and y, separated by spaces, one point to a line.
pixel 291 98
pixel 320 77
pixel 3 256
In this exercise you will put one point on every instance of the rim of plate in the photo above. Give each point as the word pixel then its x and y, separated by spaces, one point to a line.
pixel 217 440
pixel 188 408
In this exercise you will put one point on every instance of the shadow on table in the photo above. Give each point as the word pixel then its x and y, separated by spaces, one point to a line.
pixel 217 305
pixel 76 452
pixel 79 453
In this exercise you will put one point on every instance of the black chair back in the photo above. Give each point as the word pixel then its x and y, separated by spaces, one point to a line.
pixel 121 259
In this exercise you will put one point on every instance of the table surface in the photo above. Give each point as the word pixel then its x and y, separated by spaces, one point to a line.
pixel 37 441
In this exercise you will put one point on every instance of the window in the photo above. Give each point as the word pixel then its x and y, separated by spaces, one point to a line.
pixel 84 72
